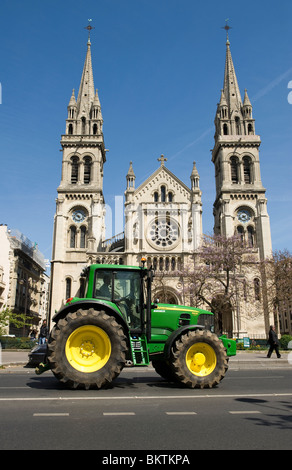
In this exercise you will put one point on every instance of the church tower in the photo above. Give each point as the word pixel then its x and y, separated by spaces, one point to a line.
pixel 79 220
pixel 240 205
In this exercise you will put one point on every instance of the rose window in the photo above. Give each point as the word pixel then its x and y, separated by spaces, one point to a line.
pixel 163 233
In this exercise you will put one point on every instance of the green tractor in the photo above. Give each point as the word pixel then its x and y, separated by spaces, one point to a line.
pixel 116 324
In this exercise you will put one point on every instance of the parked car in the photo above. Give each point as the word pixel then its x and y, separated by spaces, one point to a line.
pixel 37 355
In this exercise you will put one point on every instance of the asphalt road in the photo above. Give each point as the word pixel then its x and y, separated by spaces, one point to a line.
pixel 250 409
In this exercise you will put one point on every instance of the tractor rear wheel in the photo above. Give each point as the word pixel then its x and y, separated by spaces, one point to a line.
pixel 199 359
pixel 87 349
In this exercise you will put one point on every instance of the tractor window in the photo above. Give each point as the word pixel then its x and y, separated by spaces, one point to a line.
pixel 127 292
pixel 103 285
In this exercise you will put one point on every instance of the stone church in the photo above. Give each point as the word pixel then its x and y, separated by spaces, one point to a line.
pixel 163 216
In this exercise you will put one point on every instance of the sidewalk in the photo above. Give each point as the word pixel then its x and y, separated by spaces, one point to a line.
pixel 242 360
pixel 259 360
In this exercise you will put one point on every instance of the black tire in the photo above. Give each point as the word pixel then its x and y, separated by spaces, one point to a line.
pixel 199 359
pixel 164 369
pixel 63 364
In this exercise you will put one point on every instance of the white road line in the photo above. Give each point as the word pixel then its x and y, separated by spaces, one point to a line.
pixel 246 412
pixel 128 413
pixel 178 413
pixel 51 414
pixel 151 397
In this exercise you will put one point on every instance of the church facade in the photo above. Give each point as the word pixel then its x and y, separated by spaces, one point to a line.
pixel 163 216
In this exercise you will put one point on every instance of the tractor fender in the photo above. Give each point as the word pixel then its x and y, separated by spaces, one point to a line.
pixel 176 334
pixel 86 304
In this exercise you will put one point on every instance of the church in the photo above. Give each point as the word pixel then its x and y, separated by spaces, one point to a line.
pixel 162 216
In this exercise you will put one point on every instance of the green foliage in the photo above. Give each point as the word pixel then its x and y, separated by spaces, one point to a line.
pixel 8 342
pixel 285 340
pixel 7 316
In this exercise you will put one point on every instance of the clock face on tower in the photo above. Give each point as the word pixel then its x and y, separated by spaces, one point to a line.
pixel 78 215
pixel 243 215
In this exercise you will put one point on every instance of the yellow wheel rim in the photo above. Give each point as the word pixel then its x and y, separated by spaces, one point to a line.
pixel 201 359
pixel 88 348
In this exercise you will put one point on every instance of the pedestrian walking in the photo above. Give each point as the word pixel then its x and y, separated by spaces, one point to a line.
pixel 273 342
pixel 43 333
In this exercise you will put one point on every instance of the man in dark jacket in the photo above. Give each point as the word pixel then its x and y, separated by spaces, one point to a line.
pixel 273 342
pixel 43 333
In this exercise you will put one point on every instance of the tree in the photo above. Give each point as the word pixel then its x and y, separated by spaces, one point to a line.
pixel 7 316
pixel 279 276
pixel 216 277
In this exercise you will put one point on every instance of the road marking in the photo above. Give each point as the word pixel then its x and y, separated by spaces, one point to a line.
pixel 128 413
pixel 51 414
pixel 150 397
pixel 11 388
pixel 178 413
pixel 246 412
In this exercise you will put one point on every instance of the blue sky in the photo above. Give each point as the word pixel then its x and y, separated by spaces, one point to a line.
pixel 158 66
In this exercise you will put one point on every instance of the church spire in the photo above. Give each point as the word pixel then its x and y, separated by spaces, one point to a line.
pixel 86 89
pixel 84 115
pixel 233 117
pixel 230 86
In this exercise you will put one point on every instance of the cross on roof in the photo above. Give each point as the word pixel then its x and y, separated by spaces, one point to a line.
pixel 162 160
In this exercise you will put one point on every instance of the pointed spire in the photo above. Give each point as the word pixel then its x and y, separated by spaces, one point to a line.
pixel 195 178
pixel 230 87
pixel 96 101
pixel 86 92
pixel 130 178
pixel 246 101
pixel 131 171
pixel 223 101
pixel 195 171
pixel 72 101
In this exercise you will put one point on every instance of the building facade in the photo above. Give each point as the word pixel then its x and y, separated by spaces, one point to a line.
pixel 23 282
pixel 163 216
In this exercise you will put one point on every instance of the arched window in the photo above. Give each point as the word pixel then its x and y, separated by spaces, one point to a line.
pixel 237 125
pixel 70 129
pixel 94 129
pixel 83 237
pixel 156 196
pixel 166 265
pixel 162 193
pixel 240 232
pixel 257 290
pixel 250 236
pixel 68 288
pixel 234 169
pixel 83 125
pixel 247 170
pixel 225 129
pixel 170 197
pixel 74 170
pixel 72 237
pixel 87 170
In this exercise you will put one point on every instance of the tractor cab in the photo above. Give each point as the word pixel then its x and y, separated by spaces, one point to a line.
pixel 125 289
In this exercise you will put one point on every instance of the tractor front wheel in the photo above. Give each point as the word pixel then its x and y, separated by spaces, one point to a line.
pixel 199 359
pixel 87 349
